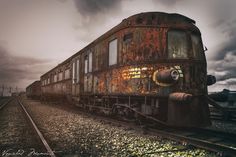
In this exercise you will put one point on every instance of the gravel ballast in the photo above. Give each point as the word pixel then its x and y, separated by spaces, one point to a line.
pixel 17 137
pixel 71 133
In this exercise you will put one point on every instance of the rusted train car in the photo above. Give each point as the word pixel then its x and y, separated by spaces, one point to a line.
pixel 34 90
pixel 151 64
pixel 56 83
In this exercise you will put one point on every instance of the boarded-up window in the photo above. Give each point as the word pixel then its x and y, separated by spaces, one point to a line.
pixel 73 73
pixel 67 74
pixel 77 71
pixel 113 52
pixel 90 61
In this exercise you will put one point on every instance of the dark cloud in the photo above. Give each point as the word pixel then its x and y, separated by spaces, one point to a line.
pixel 228 29
pixel 222 61
pixel 224 21
pixel 224 69
pixel 167 2
pixel 92 7
pixel 15 70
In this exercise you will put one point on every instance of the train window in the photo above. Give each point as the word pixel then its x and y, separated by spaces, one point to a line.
pixel 55 78
pixel 67 74
pixel 77 71
pixel 86 65
pixel 90 62
pixel 128 37
pixel 177 44
pixel 73 72
pixel 139 20
pixel 60 76
pixel 113 52
pixel 197 46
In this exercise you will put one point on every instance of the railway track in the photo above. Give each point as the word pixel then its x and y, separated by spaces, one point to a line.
pixel 222 143
pixel 34 127
pixel 227 115
pixel 222 113
pixel 4 102
pixel 43 140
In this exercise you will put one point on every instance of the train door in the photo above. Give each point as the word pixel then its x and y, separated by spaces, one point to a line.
pixel 76 77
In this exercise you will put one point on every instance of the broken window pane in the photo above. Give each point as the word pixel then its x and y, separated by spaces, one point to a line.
pixel 177 44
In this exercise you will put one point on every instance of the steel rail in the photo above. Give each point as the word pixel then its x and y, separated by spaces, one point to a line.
pixel 5 103
pixel 200 143
pixel 46 145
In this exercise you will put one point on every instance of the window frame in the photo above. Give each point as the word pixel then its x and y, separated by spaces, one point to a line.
pixel 90 62
pixel 188 44
pixel 60 76
pixel 202 55
pixel 116 60
pixel 85 64
pixel 55 78
pixel 77 70
pixel 73 72
pixel 67 76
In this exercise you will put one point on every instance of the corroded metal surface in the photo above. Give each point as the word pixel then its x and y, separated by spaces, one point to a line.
pixel 34 90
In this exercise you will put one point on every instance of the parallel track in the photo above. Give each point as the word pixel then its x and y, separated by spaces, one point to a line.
pixel 46 145
pixel 44 142
pixel 220 142
pixel 221 113
pixel 226 116
pixel 4 103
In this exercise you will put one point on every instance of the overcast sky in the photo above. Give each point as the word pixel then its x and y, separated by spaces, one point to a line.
pixel 36 35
